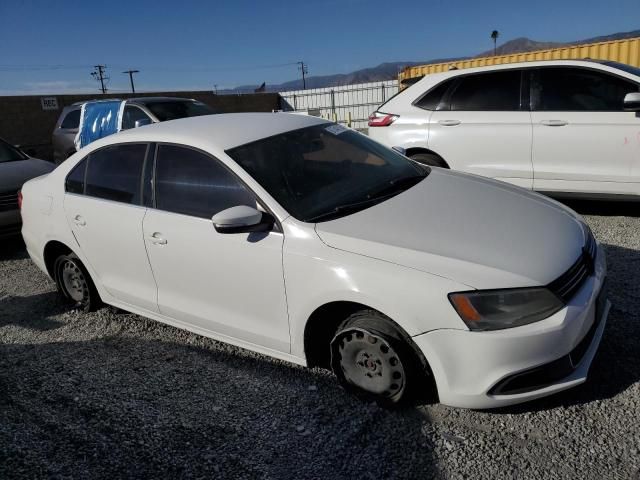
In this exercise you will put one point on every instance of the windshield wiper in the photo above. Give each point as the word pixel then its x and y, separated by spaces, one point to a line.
pixel 348 208
pixel 398 185
pixel 390 189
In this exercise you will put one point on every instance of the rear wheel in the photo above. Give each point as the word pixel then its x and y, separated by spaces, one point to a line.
pixel 75 284
pixel 430 159
pixel 372 358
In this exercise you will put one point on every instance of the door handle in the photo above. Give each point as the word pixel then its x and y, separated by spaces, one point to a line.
pixel 78 220
pixel 157 239
pixel 554 123
pixel 449 123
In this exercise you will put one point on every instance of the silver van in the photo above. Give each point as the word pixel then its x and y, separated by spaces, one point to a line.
pixel 137 112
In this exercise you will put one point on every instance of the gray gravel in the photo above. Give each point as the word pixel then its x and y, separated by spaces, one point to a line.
pixel 110 394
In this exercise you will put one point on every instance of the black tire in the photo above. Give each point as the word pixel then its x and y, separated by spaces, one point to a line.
pixel 74 283
pixel 375 360
pixel 430 159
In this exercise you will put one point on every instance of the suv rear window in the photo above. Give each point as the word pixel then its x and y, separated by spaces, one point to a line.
pixel 72 120
pixel 433 97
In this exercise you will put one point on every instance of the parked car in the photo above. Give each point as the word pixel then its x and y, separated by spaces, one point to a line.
pixel 137 112
pixel 306 241
pixel 15 168
pixel 563 127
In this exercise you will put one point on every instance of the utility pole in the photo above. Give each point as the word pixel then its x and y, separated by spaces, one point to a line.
pixel 303 68
pixel 131 72
pixel 215 89
pixel 98 74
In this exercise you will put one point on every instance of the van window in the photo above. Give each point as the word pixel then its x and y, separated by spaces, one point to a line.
pixel 72 120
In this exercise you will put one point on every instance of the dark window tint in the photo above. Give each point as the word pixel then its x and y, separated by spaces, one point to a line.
pixel 75 180
pixel 580 89
pixel 192 183
pixel 433 98
pixel 497 91
pixel 114 173
pixel 172 109
pixel 72 120
pixel 130 115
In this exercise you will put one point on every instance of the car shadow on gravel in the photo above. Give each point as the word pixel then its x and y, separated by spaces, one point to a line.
pixel 616 366
pixel 33 312
pixel 127 407
pixel 13 249
pixel 603 207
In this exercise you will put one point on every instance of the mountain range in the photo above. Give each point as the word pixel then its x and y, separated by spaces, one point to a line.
pixel 389 70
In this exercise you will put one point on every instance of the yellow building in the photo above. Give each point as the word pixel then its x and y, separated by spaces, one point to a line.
pixel 624 51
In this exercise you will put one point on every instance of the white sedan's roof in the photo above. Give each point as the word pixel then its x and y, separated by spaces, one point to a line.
pixel 223 131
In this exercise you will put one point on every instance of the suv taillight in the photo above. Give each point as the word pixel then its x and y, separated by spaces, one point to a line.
pixel 379 119
pixel 20 199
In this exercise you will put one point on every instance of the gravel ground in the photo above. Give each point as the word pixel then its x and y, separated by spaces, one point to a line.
pixel 110 394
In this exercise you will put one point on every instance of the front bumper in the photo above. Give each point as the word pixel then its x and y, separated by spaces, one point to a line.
pixel 10 224
pixel 470 368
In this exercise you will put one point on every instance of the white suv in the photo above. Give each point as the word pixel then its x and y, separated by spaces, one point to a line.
pixel 563 127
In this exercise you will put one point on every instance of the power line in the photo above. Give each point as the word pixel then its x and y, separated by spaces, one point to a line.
pixel 99 75
pixel 131 72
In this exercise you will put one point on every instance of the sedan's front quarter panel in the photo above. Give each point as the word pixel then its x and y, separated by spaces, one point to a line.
pixel 316 274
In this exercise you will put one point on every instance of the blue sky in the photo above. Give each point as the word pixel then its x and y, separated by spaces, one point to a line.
pixel 50 46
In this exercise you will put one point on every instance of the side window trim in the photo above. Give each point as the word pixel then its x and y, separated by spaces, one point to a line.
pixel 276 227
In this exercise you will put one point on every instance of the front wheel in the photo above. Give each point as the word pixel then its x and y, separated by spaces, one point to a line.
pixel 75 284
pixel 372 359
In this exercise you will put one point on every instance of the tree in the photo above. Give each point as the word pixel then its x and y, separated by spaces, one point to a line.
pixel 494 35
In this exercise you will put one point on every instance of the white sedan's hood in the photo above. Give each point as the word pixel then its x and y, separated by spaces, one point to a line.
pixel 473 230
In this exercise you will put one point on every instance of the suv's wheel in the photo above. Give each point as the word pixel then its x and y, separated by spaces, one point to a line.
pixel 430 159
pixel 75 284
pixel 373 359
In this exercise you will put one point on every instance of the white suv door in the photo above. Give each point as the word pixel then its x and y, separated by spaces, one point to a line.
pixel 483 126
pixel 104 207
pixel 229 284
pixel 583 140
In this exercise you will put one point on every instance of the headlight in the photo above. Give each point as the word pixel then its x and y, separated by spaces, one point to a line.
pixel 498 309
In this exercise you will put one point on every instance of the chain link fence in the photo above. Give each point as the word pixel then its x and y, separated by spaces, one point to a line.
pixel 348 104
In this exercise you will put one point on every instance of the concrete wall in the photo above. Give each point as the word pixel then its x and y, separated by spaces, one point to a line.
pixel 24 122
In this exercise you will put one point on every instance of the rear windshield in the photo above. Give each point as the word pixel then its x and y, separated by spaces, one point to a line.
pixel 173 110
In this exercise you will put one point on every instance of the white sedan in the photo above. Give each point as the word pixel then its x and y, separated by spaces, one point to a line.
pixel 306 241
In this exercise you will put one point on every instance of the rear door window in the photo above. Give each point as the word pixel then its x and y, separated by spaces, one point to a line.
pixel 115 173
pixel 495 91
pixel 193 183
pixel 579 89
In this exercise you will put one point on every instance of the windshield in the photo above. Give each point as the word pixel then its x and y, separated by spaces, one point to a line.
pixel 624 67
pixel 172 110
pixel 9 153
pixel 326 171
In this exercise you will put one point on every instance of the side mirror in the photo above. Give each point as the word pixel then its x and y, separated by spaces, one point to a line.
pixel 632 102
pixel 242 219
pixel 400 150
pixel 142 122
